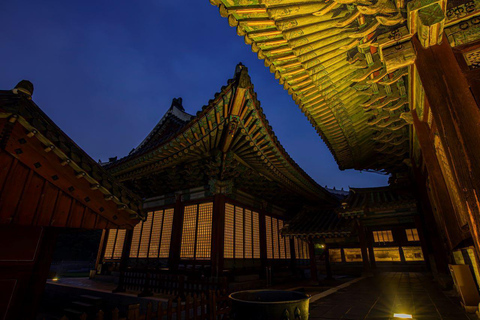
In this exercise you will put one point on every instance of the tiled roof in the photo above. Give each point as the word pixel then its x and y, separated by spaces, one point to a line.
pixel 232 124
pixel 318 223
pixel 342 63
pixel 15 103
pixel 363 200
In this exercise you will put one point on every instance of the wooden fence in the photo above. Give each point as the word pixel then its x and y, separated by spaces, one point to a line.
pixel 152 281
pixel 215 306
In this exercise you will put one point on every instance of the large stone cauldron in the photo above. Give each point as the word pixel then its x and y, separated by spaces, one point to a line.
pixel 269 304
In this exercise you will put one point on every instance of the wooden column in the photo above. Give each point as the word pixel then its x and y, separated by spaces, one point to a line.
pixel 458 120
pixel 432 236
pixel 218 235
pixel 101 248
pixel 371 252
pixel 263 245
pixel 363 245
pixel 127 244
pixel 25 256
pixel 423 243
pixel 313 263
pixel 436 178
pixel 176 242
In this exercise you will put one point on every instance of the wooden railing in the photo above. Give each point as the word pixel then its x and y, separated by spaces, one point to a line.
pixel 148 282
pixel 214 306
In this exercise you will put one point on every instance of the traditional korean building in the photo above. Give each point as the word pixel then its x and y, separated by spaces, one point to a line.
pixel 374 228
pixel 217 186
pixel 46 183
pixel 390 86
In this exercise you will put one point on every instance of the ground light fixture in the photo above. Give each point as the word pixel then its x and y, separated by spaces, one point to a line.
pixel 402 316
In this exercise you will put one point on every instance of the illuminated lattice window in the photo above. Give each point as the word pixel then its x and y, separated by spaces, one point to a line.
pixel 145 236
pixel 412 235
pixel 353 254
pixel 256 236
pixel 383 236
pixel 413 253
pixel 301 249
pixel 197 232
pixel 277 248
pixel 335 255
pixel 114 246
pixel 386 254
pixel 239 244
pixel 135 240
pixel 151 238
pixel 268 230
pixel 229 231
pixel 248 234
pixel 204 231
pixel 118 248
pixel 166 235
pixel 242 237
pixel 188 232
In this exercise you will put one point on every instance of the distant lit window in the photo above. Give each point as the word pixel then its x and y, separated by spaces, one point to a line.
pixel 383 236
pixel 197 232
pixel 335 255
pixel 413 253
pixel 387 254
pixel 412 235
pixel 278 247
pixel 151 238
pixel 114 247
pixel 353 254
pixel 301 249
pixel 242 233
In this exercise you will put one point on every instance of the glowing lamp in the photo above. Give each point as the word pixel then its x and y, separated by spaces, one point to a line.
pixel 402 316
pixel 55 279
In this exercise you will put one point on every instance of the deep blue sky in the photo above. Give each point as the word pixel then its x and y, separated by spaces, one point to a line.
pixel 106 72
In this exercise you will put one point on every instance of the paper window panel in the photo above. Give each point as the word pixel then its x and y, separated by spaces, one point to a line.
pixel 412 235
pixel 281 240
pixel 118 249
pixel 239 233
pixel 135 240
pixel 155 234
pixel 268 229
pixel 287 248
pixel 188 232
pixel 145 237
pixel 112 234
pixel 305 249
pixel 256 236
pixel 248 234
pixel 229 231
pixel 166 233
pixel 204 231
pixel 276 253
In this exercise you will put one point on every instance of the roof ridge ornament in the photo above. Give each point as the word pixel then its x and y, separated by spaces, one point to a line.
pixel 25 87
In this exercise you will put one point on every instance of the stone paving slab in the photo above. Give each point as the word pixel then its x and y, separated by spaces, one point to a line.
pixel 381 296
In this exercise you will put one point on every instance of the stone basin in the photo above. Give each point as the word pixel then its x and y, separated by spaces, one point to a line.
pixel 269 304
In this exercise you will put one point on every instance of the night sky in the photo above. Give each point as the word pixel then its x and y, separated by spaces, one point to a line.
pixel 106 72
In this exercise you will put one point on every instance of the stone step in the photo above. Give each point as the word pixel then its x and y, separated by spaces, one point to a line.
pixel 94 300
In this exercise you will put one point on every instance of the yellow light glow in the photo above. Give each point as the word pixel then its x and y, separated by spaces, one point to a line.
pixel 402 316
pixel 260 23
pixel 265 34
pixel 280 50
pixel 245 11
pixel 55 279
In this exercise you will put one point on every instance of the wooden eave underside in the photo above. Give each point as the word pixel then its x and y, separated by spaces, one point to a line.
pixel 350 100
pixel 233 123
pixel 40 185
